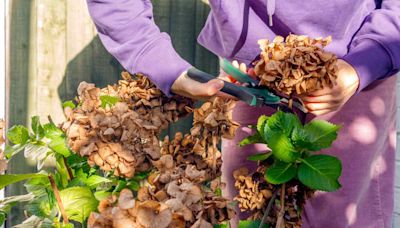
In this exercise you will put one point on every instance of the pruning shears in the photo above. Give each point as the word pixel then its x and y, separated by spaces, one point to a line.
pixel 249 91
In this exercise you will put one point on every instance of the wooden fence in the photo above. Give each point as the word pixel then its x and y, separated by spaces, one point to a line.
pixel 53 46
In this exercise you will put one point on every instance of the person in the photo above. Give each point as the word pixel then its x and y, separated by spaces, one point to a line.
pixel 366 38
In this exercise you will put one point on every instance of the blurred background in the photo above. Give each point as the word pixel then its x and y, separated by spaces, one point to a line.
pixel 52 46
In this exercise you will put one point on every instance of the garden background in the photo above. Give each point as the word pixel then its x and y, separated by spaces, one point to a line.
pixel 52 45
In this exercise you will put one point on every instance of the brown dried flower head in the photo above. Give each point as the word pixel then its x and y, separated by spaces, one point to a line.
pixel 183 188
pixel 254 194
pixel 297 64
pixel 122 138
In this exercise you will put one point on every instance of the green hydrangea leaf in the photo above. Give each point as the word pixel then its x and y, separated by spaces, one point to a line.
pixel 37 127
pixel 282 147
pixel 262 120
pixel 280 172
pixel 40 207
pixel 120 185
pixel 70 104
pixel 8 202
pixel 281 122
pixel 7 179
pixel 51 131
pixel 18 134
pixel 133 185
pixel 59 145
pixel 252 139
pixel 100 195
pixel 2 217
pixel 316 135
pixel 251 224
pixel 141 175
pixel 108 100
pixel 10 151
pixel 95 180
pixel 78 202
pixel 259 157
pixel 320 172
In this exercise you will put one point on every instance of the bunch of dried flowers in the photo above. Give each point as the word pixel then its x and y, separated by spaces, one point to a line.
pixel 297 64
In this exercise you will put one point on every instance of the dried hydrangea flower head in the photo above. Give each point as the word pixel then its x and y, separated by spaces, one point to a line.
pixel 122 138
pixel 180 177
pixel 254 194
pixel 178 184
pixel 183 189
pixel 296 65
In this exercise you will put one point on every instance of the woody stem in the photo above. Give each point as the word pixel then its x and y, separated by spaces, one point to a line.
pixel 58 198
pixel 280 218
pixel 71 176
pixel 269 207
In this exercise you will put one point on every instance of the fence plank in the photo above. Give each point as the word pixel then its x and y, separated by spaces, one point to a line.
pixel 182 30
pixel 162 13
pixel 17 78
pixel 50 60
pixel 204 59
pixel 79 34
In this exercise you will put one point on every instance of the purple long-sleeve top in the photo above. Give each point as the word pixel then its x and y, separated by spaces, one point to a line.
pixel 366 33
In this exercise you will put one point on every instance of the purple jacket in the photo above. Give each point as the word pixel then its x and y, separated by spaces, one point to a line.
pixel 366 33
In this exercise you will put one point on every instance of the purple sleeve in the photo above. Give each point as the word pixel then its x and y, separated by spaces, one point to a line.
pixel 128 32
pixel 375 49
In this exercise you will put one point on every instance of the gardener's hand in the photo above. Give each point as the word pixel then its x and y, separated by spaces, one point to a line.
pixel 188 87
pixel 331 99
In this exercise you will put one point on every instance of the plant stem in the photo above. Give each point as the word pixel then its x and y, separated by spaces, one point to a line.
pixel 50 119
pixel 71 176
pixel 58 198
pixel 280 220
pixel 269 207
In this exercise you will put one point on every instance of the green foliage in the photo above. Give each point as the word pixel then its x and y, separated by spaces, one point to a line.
pixel 59 146
pixel 94 180
pixel 252 139
pixel 100 195
pixel 281 147
pixel 37 128
pixel 80 186
pixel 108 100
pixel 10 150
pixel 292 145
pixel 40 206
pixel 38 186
pixel 262 120
pixel 18 135
pixel 251 224
pixel 320 172
pixel 121 184
pixel 43 139
pixel 244 224
pixel 2 217
pixel 259 157
pixel 276 133
pixel 78 202
pixel 315 135
pixel 7 179
pixel 8 202
pixel 280 172
pixel 70 104
pixel 52 131
pixel 281 122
